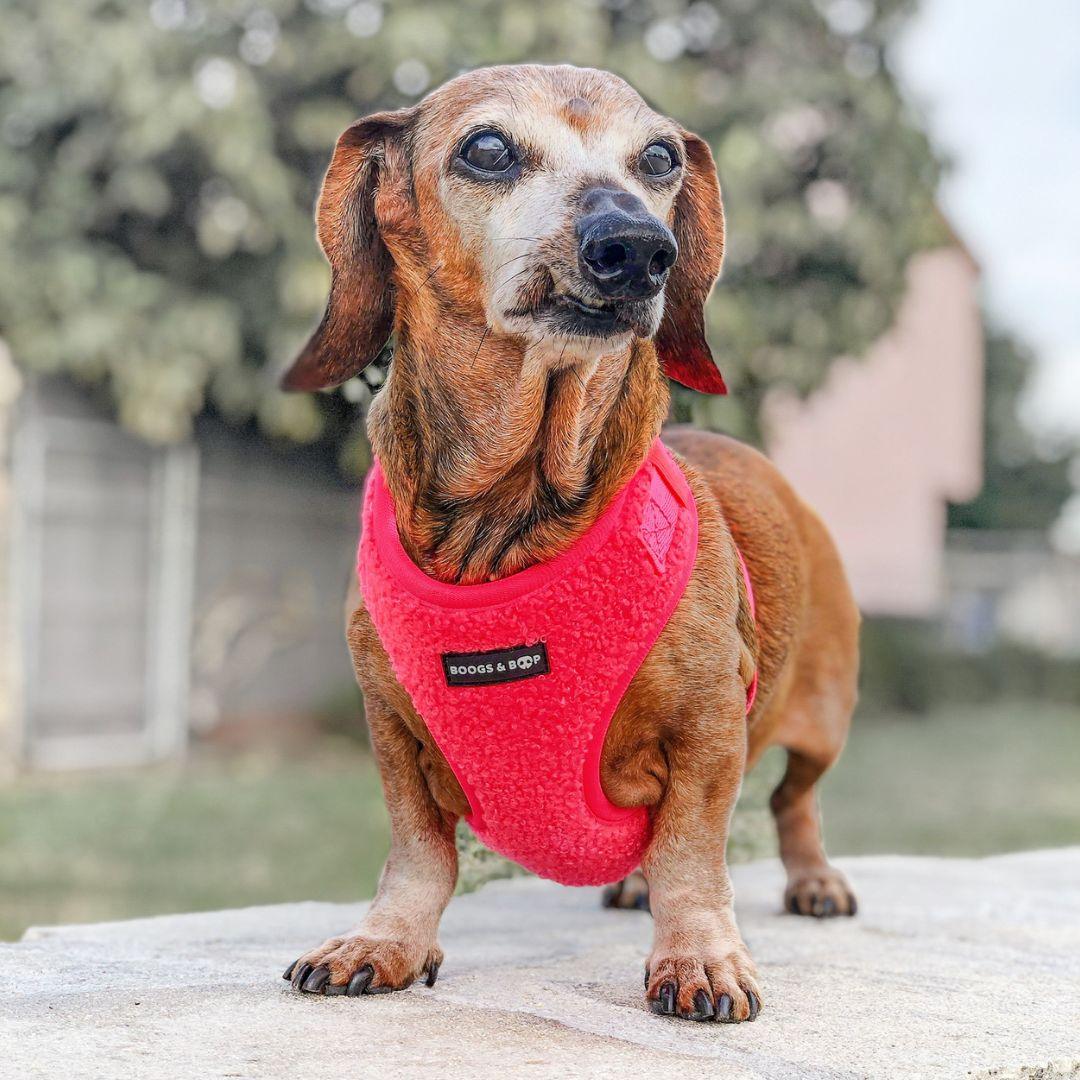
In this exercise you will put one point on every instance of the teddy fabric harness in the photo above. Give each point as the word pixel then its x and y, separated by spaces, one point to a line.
pixel 517 679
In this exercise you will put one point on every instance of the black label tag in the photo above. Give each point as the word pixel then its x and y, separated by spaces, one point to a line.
pixel 496 666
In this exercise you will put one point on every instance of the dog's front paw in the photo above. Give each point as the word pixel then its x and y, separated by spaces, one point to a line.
pixel 358 965
pixel 821 891
pixel 722 988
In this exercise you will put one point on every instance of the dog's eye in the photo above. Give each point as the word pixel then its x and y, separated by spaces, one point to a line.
pixel 488 151
pixel 657 160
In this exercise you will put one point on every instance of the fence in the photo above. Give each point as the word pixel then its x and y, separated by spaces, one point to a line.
pixel 156 588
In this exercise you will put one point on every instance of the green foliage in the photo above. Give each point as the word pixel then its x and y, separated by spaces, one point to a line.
pixel 219 831
pixel 968 781
pixel 1025 487
pixel 477 865
pixel 159 161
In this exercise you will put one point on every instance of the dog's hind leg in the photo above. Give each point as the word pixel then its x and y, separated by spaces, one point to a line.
pixel 814 886
pixel 815 715
pixel 813 712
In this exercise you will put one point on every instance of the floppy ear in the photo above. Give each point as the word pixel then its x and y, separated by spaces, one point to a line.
pixel 369 169
pixel 699 229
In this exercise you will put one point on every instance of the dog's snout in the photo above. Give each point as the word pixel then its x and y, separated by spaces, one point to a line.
pixel 625 252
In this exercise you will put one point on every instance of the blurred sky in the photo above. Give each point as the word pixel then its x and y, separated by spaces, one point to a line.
pixel 999 83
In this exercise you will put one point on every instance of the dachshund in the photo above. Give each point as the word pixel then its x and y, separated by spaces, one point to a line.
pixel 540 245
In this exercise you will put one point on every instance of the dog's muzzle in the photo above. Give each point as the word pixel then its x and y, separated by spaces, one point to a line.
pixel 623 251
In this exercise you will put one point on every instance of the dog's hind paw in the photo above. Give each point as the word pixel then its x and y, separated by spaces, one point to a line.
pixel 822 892
pixel 351 966
pixel 632 892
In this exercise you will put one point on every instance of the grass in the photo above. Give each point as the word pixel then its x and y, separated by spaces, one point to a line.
pixel 974 781
pixel 259 828
pixel 221 832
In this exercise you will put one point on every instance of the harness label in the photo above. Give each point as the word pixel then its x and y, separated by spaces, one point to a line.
pixel 495 666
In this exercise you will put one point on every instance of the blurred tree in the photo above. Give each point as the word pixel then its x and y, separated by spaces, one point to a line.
pixel 159 160
pixel 1025 486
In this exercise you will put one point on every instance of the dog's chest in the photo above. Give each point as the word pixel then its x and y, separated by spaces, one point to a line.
pixel 517 680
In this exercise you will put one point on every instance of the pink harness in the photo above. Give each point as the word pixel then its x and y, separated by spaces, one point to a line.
pixel 517 679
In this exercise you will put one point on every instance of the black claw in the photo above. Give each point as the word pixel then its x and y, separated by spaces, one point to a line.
pixel 793 904
pixel 314 983
pixel 378 990
pixel 610 895
pixel 828 907
pixel 300 974
pixel 432 974
pixel 335 990
pixel 755 1005
pixel 723 1010
pixel 853 904
pixel 664 1003
pixel 359 982
pixel 646 978
pixel 288 972
pixel 703 1007
pixel 642 902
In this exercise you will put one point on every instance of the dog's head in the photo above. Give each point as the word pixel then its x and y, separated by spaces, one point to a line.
pixel 550 204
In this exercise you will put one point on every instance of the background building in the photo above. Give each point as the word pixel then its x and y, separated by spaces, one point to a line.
pixel 890 440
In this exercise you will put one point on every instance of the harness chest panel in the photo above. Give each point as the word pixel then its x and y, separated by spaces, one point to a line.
pixel 517 680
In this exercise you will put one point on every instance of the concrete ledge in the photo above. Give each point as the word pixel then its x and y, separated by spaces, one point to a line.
pixel 953 968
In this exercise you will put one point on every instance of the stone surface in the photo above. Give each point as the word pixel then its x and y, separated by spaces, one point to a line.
pixel 952 969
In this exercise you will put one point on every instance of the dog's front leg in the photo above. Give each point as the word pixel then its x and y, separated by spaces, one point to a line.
pixel 699 968
pixel 396 941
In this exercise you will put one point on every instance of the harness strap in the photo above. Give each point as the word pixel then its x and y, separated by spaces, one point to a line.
pixel 751 690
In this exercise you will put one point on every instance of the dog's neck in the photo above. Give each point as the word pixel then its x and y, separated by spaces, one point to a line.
pixel 498 456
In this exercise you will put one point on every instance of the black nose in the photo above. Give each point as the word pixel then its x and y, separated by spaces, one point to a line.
pixel 624 252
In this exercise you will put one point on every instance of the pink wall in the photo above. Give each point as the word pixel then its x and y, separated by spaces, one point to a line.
pixel 888 439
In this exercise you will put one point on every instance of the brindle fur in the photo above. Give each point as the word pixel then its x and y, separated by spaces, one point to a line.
pixel 500 448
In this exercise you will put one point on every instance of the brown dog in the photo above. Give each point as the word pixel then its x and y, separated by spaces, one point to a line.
pixel 522 397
